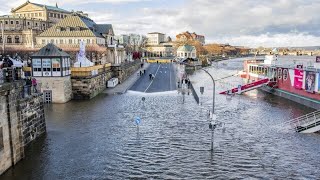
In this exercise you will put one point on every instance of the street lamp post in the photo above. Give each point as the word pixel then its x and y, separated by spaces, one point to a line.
pixel 212 125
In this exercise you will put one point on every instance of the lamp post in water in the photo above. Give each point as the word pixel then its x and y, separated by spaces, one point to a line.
pixel 212 124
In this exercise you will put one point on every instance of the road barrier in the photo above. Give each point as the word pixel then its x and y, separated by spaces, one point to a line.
pixel 159 60
pixel 195 95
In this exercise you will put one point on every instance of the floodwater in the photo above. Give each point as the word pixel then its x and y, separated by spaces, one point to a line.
pixel 99 139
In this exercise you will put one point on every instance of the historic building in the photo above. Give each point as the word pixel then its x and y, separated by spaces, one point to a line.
pixel 51 14
pixel 21 31
pixel 187 36
pixel 51 68
pixel 26 22
pixel 186 51
pixel 100 43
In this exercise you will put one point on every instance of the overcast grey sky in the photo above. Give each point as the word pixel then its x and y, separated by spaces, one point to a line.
pixel 238 22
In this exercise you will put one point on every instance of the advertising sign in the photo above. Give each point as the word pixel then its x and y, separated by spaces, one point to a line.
pixel 56 63
pixel 298 78
pixel 310 81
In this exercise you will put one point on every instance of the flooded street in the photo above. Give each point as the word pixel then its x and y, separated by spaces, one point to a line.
pixel 98 139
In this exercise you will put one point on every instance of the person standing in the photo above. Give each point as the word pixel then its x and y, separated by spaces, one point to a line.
pixel 28 85
pixel 34 85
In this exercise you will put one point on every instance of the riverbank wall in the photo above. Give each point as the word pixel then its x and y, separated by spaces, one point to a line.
pixel 22 121
pixel 88 82
pixel 125 70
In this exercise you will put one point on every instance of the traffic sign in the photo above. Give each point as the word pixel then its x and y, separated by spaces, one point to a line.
pixel 137 120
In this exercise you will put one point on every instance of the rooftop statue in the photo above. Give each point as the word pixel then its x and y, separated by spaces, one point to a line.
pixel 82 60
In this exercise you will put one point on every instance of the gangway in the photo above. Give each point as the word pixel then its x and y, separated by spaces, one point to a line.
pixel 247 87
pixel 308 123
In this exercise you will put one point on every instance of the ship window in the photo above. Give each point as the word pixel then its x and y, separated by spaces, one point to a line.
pixel 285 74
pixel 279 73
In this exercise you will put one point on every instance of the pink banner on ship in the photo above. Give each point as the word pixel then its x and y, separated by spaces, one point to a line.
pixel 298 78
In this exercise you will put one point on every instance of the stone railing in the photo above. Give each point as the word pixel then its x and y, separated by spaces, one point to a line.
pixel 89 71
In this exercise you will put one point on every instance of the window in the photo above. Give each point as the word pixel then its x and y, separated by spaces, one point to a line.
pixel 0 39
pixel 40 14
pixel 58 15
pixel 43 41
pixel 88 41
pixel 54 15
pixel 36 24
pixel 1 139
pixel 28 23
pixel 9 39
pixel 70 41
pixel 61 41
pixel 16 39
pixel 52 41
pixel 36 14
pixel 32 14
pixel 6 22
pixel 17 22
pixel 79 40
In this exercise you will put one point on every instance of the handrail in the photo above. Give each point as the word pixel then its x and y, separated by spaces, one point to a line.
pixel 304 120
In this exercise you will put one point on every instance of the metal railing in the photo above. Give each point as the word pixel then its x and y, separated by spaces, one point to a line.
pixel 305 122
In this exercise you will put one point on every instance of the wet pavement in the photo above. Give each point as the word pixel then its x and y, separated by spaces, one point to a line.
pixel 164 79
pixel 98 139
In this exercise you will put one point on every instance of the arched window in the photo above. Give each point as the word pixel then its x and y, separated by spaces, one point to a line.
pixel 16 39
pixel 9 39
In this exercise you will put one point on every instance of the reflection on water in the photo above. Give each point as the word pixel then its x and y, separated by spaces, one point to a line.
pixel 98 139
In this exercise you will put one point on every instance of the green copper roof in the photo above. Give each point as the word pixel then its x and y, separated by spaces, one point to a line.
pixel 186 48
pixel 54 8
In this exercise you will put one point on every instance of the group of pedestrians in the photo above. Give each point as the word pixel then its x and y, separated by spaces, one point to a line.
pixel 151 76
pixel 31 85
pixel 142 72
pixel 184 81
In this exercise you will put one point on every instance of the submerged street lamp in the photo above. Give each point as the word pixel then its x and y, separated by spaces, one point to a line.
pixel 213 123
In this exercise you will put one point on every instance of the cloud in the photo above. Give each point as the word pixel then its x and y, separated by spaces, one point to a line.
pixel 272 40
pixel 250 22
